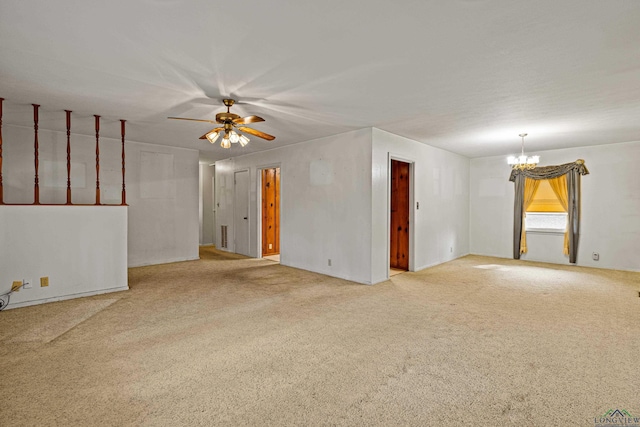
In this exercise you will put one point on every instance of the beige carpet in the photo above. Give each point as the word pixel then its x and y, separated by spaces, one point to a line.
pixel 229 340
pixel 395 272
pixel 275 258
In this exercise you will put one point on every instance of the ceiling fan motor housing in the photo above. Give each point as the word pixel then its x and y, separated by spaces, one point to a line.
pixel 226 117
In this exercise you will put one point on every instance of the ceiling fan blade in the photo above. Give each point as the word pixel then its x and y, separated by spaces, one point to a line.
pixel 212 130
pixel 257 133
pixel 247 120
pixel 193 120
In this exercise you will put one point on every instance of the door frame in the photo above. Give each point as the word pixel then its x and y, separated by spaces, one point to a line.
pixel 412 209
pixel 259 170
pixel 235 208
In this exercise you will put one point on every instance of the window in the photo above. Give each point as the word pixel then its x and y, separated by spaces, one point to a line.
pixel 546 221
pixel 545 214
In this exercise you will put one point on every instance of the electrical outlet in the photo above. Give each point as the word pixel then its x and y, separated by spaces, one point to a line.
pixel 595 256
pixel 15 286
pixel 26 283
pixel 44 281
pixel 270 246
pixel 329 262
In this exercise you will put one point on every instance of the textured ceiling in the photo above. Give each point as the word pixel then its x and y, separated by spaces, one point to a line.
pixel 467 76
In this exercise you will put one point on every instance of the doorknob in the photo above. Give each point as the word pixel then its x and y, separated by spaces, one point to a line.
pixel 245 217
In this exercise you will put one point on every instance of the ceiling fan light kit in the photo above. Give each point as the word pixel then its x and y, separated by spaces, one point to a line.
pixel 226 143
pixel 229 121
pixel 233 137
pixel 212 136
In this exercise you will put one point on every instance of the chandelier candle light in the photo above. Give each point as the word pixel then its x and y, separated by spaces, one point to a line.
pixel 523 161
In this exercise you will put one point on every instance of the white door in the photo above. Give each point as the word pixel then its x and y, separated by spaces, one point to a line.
pixel 214 204
pixel 241 212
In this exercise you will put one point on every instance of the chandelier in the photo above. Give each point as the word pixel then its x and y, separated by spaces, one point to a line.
pixel 523 161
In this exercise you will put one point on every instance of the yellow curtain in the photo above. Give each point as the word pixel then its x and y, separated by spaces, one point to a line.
pixel 530 188
pixel 559 186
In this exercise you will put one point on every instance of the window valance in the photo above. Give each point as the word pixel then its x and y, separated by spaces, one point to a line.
pixel 546 172
pixel 573 171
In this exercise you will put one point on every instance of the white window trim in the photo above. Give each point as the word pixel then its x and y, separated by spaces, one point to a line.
pixel 545 231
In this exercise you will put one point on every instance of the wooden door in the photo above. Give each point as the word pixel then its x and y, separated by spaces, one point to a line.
pixel 271 211
pixel 399 243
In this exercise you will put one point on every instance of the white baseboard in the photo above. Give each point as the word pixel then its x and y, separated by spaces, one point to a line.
pixel 163 261
pixel 325 273
pixel 438 262
pixel 65 297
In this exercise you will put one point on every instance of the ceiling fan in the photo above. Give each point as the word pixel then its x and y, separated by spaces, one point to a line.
pixel 229 121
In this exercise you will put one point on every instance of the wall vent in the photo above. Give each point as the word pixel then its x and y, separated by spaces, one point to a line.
pixel 223 237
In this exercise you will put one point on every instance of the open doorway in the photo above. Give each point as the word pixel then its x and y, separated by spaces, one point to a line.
pixel 400 213
pixel 270 189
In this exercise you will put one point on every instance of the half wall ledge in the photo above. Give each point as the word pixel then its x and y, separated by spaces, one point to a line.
pixel 80 249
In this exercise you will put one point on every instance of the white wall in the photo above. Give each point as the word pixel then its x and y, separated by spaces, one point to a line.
pixel 81 249
pixel 325 213
pixel 163 204
pixel 441 186
pixel 206 209
pixel 610 222
pixel 334 203
pixel 161 184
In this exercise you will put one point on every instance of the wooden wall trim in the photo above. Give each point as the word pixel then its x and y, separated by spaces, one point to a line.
pixel 36 162
pixel 36 188
pixel 124 191
pixel 97 159
pixel 68 112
